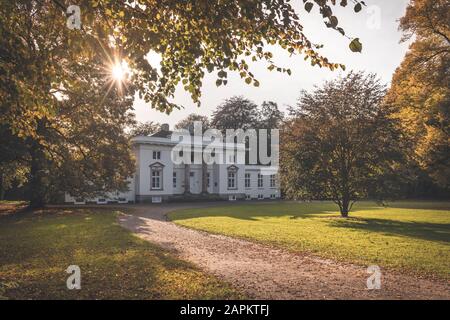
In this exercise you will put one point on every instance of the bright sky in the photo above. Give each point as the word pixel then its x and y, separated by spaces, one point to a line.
pixel 376 26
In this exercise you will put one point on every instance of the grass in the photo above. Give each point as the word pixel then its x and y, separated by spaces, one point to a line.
pixel 9 202
pixel 36 249
pixel 410 236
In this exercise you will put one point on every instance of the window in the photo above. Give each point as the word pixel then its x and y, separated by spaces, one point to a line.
pixel 157 199
pixel 191 174
pixel 273 196
pixel 122 200
pixel 232 175
pixel 156 179
pixel 102 201
pixel 248 197
pixel 260 197
pixel 208 175
pixel 174 179
pixel 79 201
pixel 247 180
pixel 260 180
pixel 231 180
pixel 273 181
pixel 156 155
pixel 232 198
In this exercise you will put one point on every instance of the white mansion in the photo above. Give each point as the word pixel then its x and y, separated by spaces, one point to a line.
pixel 158 178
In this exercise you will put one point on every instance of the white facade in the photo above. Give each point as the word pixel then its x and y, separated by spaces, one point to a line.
pixel 159 179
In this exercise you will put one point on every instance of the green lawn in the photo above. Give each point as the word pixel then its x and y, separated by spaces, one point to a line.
pixel 8 202
pixel 412 236
pixel 36 249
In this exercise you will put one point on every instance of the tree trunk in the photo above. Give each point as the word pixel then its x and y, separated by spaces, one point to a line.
pixel 36 183
pixel 2 189
pixel 345 207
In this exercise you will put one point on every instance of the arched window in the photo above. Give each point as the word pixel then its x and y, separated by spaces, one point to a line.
pixel 156 176
pixel 232 177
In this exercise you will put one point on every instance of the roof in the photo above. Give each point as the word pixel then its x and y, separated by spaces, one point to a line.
pixel 162 134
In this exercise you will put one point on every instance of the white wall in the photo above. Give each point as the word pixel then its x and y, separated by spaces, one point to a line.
pixel 145 160
pixel 266 190
pixel 140 185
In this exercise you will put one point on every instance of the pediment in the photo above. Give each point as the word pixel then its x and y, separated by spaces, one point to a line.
pixel 157 165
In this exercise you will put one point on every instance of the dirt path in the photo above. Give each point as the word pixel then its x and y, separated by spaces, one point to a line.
pixel 264 272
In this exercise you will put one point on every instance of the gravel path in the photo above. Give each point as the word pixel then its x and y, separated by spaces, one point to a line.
pixel 264 272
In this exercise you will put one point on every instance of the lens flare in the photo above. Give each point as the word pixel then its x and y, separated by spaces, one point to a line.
pixel 118 72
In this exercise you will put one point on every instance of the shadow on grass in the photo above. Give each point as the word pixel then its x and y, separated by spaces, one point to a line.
pixel 36 249
pixel 420 230
pixel 330 213
pixel 420 204
pixel 255 211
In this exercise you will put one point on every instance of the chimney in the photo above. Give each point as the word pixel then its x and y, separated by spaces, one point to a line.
pixel 165 127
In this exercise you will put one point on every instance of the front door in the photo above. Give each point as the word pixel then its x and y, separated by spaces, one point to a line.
pixel 195 182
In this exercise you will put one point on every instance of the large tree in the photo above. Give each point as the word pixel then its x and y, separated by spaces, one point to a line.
pixel 420 92
pixel 340 143
pixel 13 160
pixel 236 113
pixel 61 105
pixel 82 147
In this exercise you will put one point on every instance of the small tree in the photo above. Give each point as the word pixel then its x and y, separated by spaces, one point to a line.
pixel 340 143
pixel 188 122
pixel 236 113
pixel 144 128
pixel 271 116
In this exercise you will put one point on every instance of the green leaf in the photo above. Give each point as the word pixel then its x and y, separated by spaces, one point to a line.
pixel 333 21
pixel 308 6
pixel 222 74
pixel 355 45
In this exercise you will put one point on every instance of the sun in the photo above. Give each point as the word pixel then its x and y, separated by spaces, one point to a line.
pixel 119 72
